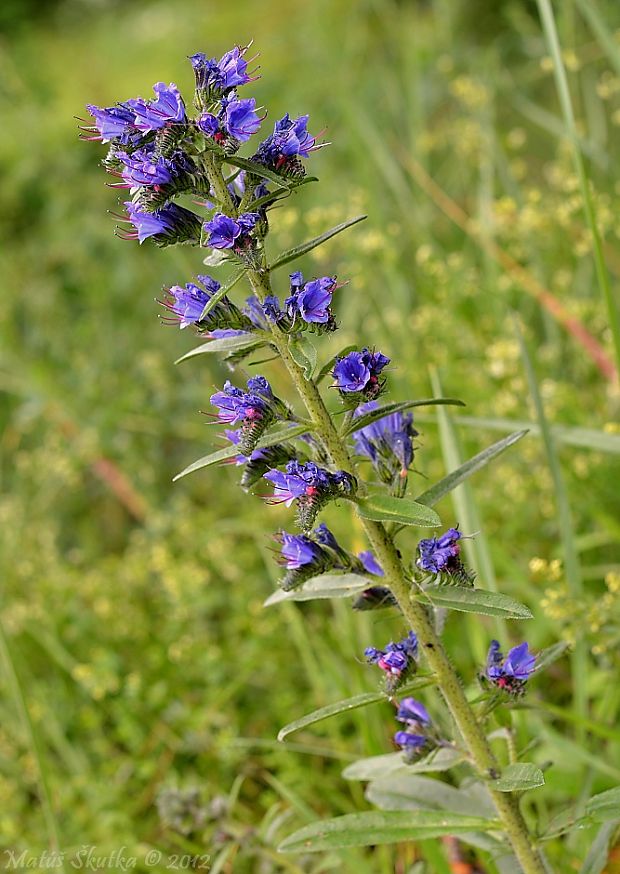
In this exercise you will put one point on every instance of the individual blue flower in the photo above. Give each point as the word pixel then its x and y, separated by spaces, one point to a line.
pixel 228 233
pixel 298 550
pixel 143 168
pixel 313 300
pixel 208 123
pixel 439 554
pixel 272 309
pixel 170 224
pixel 358 373
pixel 409 741
pixel 240 118
pixel 233 68
pixel 166 108
pixel 510 673
pixel 370 563
pixel 187 304
pixel 388 443
pixel 412 711
pixel 112 122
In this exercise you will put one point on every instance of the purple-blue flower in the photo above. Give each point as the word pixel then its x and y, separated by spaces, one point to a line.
pixel 359 372
pixel 220 76
pixel 240 119
pixel 189 302
pixel 409 741
pixel 412 711
pixel 143 168
pixel 510 673
pixel 171 223
pixel 298 550
pixel 395 658
pixel 208 124
pixel 166 108
pixel 289 141
pixel 371 565
pixel 235 405
pixel 313 300
pixel 438 554
pixel 388 443
pixel 299 480
pixel 112 122
pixel 228 233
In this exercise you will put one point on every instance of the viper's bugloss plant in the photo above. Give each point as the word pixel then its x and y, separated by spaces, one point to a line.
pixel 162 151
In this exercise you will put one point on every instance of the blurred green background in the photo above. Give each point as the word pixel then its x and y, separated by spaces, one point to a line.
pixel 144 662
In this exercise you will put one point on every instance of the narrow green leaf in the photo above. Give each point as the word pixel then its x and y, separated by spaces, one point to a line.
pixel 568 435
pixel 598 855
pixel 604 806
pixel 224 344
pixel 383 508
pixel 476 601
pixel 344 706
pixel 329 366
pixel 519 778
pixel 477 462
pixel 381 827
pixel 374 767
pixel 257 170
pixel 323 586
pixel 394 407
pixel 303 353
pixel 220 293
pixel 330 710
pixel 298 251
pixel 279 193
pixel 269 439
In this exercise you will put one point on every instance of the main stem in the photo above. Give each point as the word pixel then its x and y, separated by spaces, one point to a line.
pixel 394 576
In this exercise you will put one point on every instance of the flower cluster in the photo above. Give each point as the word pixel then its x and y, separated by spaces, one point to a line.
pixel 289 142
pixel 311 487
pixel 308 306
pixel 357 376
pixel 259 461
pixel 254 410
pixel 396 660
pixel 388 443
pixel 510 674
pixel 441 556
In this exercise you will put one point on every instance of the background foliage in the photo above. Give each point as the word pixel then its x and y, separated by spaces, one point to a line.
pixel 133 608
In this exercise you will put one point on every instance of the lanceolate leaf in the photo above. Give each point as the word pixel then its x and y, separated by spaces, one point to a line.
pixel 382 508
pixel 220 293
pixel 598 855
pixel 395 407
pixel 298 251
pixel 519 778
pixel 604 806
pixel 381 827
pixel 225 344
pixel 405 791
pixel 345 706
pixel 279 436
pixel 279 194
pixel 444 486
pixel 323 586
pixel 374 767
pixel 476 601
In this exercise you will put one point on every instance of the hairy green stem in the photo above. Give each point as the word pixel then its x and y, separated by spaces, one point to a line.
pixel 416 613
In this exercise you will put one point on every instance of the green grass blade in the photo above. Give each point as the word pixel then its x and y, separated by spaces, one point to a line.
pixel 36 749
pixel 561 80
pixel 572 567
pixel 304 248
